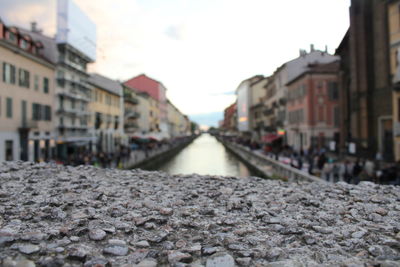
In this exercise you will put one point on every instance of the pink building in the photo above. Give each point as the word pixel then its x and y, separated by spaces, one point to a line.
pixel 313 108
pixel 157 91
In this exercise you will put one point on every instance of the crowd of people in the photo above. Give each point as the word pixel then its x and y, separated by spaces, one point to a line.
pixel 121 155
pixel 319 162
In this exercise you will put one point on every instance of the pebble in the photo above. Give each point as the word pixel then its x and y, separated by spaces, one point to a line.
pixel 86 216
pixel 116 250
pixel 220 260
pixel 142 244
pixel 97 234
pixel 177 256
pixel 28 248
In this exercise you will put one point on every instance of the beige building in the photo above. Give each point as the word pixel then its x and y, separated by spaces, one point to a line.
pixel 256 117
pixel 131 114
pixel 107 113
pixel 144 111
pixel 154 116
pixel 177 123
pixel 26 97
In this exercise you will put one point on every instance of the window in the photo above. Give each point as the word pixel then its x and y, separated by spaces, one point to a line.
pixel 320 113
pixel 36 112
pixel 9 108
pixel 336 116
pixel 46 85
pixel 9 150
pixel 23 78
pixel 47 113
pixel 12 37
pixel 8 73
pixel 24 44
pixel 36 83
pixel 116 122
pixel 333 90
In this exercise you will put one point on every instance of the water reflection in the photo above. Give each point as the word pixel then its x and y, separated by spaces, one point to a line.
pixel 206 156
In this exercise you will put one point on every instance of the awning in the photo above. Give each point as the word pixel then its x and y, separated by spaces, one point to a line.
pixel 269 138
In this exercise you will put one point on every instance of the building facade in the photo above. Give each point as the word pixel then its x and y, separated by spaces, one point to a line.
pixel 394 45
pixel 244 94
pixel 257 120
pixel 27 91
pixel 131 114
pixel 366 87
pixel 313 108
pixel 107 111
pixel 157 91
pixel 76 48
pixel 144 109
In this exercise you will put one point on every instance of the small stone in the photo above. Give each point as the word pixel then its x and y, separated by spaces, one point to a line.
pixel 98 262
pixel 28 248
pixel 97 234
pixel 25 263
pixel 177 256
pixel 117 242
pixel 244 261
pixel 381 211
pixel 142 244
pixel 220 260
pixel 147 263
pixel 180 243
pixel 358 234
pixel 74 238
pixel 59 249
pixel 78 253
pixel 116 250
pixel 209 250
pixel 166 211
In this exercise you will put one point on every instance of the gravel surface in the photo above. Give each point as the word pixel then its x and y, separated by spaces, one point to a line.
pixel 63 216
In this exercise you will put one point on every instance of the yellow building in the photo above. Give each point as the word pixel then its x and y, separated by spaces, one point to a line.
pixel 27 90
pixel 154 119
pixel 107 110
pixel 394 44
pixel 131 114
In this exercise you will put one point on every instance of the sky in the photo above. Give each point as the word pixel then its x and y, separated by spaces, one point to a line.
pixel 199 49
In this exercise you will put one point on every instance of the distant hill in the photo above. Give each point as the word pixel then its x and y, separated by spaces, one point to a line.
pixel 209 119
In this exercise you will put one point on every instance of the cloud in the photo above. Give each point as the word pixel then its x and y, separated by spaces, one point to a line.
pixel 200 50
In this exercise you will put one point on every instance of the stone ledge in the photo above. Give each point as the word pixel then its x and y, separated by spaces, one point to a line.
pixel 63 216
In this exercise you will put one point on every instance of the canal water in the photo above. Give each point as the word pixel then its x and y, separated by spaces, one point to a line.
pixel 205 156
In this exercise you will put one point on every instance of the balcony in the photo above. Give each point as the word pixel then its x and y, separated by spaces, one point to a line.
pixel 129 98
pixel 131 125
pixel 73 111
pixel 82 85
pixel 131 114
pixel 74 95
pixel 74 127
pixel 27 125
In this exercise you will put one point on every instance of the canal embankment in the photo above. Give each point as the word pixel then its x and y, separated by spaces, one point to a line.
pixel 152 157
pixel 268 166
pixel 53 215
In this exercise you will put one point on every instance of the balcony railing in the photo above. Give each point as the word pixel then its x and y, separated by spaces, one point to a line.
pixel 74 94
pixel 131 99
pixel 131 114
pixel 77 127
pixel 29 124
pixel 73 111
pixel 131 125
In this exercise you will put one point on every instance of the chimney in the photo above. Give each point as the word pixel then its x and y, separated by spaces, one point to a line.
pixel 312 48
pixel 34 27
